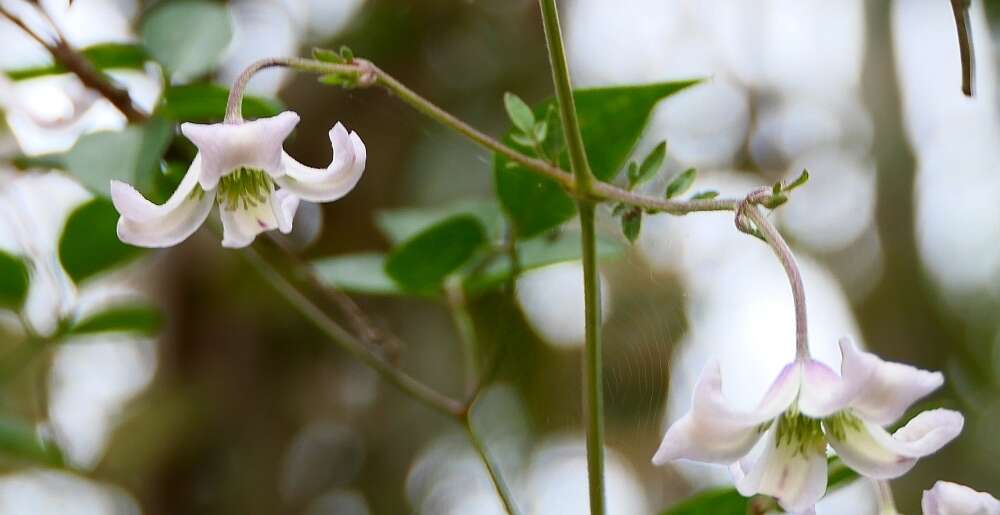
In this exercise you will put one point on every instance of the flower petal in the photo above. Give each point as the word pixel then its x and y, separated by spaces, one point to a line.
pixel 892 388
pixel 337 180
pixel 795 477
pixel 241 226
pixel 713 432
pixel 953 499
pixel 285 205
pixel 825 393
pixel 873 452
pixel 145 224
pixel 225 147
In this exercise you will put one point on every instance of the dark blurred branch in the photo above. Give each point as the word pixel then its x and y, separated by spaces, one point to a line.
pixel 963 23
pixel 78 65
pixel 407 384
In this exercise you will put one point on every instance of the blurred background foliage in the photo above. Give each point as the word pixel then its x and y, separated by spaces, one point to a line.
pixel 251 410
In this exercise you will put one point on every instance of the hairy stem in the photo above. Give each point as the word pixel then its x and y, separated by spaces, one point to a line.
pixel 593 387
pixel 349 343
pixel 787 259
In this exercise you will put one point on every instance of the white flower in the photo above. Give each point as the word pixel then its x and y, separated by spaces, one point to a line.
pixel 953 499
pixel 780 448
pixel 243 167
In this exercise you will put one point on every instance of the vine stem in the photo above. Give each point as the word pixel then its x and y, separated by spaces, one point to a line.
pixel 771 235
pixel 593 387
pixel 492 466
pixel 963 23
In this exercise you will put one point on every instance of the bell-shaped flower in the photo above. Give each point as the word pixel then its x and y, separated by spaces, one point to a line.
pixel 779 449
pixel 953 499
pixel 243 168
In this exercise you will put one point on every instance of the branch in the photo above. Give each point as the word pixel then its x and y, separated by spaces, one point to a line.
pixel 963 23
pixel 78 65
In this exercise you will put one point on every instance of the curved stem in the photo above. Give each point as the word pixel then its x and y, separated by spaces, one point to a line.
pixel 466 329
pixel 348 342
pixel 593 391
pixel 784 253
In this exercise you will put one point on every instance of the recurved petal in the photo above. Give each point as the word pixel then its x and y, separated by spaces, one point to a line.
pixel 953 499
pixel 285 205
pixel 225 147
pixel 795 477
pixel 873 452
pixel 338 179
pixel 715 433
pixel 892 387
pixel 145 224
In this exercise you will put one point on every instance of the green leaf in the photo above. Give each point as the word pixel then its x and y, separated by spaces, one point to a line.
pixel 327 56
pixel 775 201
pixel 650 165
pixel 187 36
pixel 401 224
pixel 105 56
pixel 535 253
pixel 705 195
pixel 681 183
pixel 358 273
pixel 53 161
pixel 207 103
pixel 632 224
pixel 89 244
pixel 18 439
pixel 346 53
pixel 14 281
pixel 422 262
pixel 519 112
pixel 611 122
pixel 134 319
pixel 541 130
pixel 802 179
pixel 131 155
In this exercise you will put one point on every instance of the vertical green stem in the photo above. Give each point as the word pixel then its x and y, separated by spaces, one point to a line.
pixel 491 466
pixel 466 329
pixel 593 394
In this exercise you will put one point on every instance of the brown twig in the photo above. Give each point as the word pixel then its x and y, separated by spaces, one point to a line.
pixel 963 23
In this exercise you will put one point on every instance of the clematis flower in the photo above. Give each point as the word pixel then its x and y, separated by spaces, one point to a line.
pixel 953 499
pixel 779 449
pixel 242 168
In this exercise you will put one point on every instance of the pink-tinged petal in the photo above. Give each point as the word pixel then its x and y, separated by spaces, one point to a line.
pixel 145 224
pixel 240 227
pixel 953 499
pixel 892 388
pixel 225 147
pixel 713 432
pixel 794 476
pixel 873 452
pixel 824 392
pixel 332 183
pixel 285 205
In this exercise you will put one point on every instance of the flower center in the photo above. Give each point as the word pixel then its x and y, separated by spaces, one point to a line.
pixel 244 188
pixel 800 432
pixel 838 424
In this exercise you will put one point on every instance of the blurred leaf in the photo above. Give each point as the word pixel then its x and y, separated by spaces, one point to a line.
pixel 519 112
pixel 650 165
pixel 705 195
pixel 802 179
pixel 53 161
pixel 89 244
pixel 535 253
pixel 131 155
pixel 611 121
pixel 681 183
pixel 14 281
pixel 358 273
pixel 422 262
pixel 140 320
pixel 775 201
pixel 18 439
pixel 104 56
pixel 327 56
pixel 187 36
pixel 632 224
pixel 403 223
pixel 207 103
